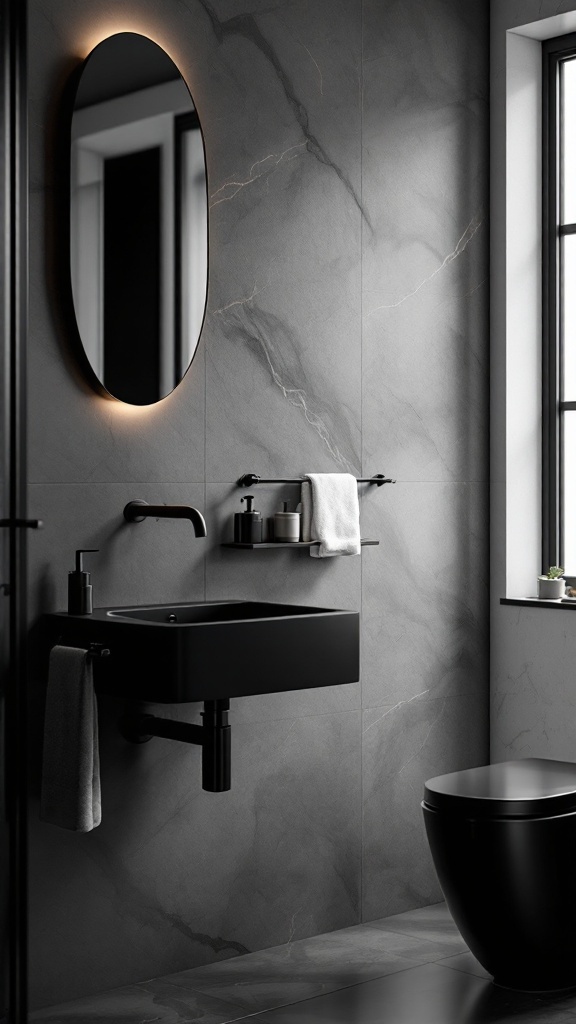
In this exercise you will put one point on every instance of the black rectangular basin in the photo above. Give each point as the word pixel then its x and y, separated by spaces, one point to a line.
pixel 214 650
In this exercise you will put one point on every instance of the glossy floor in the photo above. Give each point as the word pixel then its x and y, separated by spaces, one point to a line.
pixel 409 969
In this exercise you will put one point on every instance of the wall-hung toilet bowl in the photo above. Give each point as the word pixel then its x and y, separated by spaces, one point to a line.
pixel 503 841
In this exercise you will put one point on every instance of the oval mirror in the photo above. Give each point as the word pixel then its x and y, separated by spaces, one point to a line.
pixel 138 219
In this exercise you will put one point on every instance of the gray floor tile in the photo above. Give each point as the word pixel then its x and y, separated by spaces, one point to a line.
pixel 192 1005
pixel 260 981
pixel 437 915
pixel 380 973
pixel 361 942
pixel 310 967
pixel 432 924
pixel 465 962
pixel 566 1001
pixel 427 994
pixel 155 1001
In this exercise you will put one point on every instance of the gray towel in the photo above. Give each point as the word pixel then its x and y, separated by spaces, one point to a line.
pixel 71 765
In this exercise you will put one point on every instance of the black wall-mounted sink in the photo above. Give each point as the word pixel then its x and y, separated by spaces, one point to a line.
pixel 214 650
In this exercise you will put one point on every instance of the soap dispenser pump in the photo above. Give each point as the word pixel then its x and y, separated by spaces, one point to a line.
pixel 248 524
pixel 79 586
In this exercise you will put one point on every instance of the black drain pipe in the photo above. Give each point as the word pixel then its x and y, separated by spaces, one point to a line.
pixel 213 736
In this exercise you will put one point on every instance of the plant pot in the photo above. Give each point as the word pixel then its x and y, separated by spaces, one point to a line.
pixel 551 590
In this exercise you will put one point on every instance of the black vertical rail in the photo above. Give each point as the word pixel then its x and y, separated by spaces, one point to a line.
pixel 15 277
pixel 550 313
pixel 554 52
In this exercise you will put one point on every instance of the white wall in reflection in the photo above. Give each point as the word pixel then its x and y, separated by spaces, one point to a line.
pixel 130 124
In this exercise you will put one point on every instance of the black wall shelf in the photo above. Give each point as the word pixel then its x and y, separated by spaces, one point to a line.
pixel 289 544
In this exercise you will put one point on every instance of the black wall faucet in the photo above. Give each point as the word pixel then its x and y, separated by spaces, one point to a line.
pixel 136 511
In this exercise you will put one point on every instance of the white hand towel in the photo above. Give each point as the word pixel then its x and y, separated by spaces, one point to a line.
pixel 331 514
pixel 71 764
pixel 306 510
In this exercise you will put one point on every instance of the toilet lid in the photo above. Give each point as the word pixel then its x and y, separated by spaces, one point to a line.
pixel 513 789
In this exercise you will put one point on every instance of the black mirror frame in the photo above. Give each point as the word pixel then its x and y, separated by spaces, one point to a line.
pixel 59 237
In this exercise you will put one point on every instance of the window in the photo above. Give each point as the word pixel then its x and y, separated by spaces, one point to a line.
pixel 559 304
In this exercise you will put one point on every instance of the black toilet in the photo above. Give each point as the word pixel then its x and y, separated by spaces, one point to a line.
pixel 503 840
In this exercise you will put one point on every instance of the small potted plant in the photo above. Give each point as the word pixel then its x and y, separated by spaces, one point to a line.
pixel 551 587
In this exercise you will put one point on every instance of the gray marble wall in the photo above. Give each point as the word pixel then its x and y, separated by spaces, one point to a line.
pixel 346 330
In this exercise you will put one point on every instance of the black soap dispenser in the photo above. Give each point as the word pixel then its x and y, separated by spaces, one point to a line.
pixel 79 586
pixel 248 524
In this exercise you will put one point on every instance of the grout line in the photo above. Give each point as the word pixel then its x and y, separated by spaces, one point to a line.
pixel 421 938
pixel 206 442
pixel 460 970
pixel 225 483
pixel 117 483
pixel 361 86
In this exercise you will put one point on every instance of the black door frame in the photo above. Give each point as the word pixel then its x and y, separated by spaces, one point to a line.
pixel 14 285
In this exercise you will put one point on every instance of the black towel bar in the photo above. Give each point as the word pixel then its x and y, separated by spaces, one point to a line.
pixel 250 479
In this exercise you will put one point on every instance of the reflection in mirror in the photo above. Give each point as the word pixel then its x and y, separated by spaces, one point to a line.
pixel 138 219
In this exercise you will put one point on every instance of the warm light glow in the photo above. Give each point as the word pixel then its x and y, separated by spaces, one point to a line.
pixel 124 410
pixel 104 32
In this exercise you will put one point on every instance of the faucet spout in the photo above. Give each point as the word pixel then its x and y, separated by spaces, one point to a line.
pixel 136 511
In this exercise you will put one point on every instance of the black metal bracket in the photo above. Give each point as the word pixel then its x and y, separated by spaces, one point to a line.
pixel 27 524
pixel 96 650
pixel 93 649
pixel 251 479
pixel 213 736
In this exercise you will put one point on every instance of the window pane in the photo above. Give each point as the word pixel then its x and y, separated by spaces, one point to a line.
pixel 569 141
pixel 569 498
pixel 569 317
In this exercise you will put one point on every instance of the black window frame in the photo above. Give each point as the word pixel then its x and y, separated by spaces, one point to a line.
pixel 554 52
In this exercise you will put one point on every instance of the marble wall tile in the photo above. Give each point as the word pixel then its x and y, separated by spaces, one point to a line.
pixel 425 260
pixel 323 210
pixel 425 593
pixel 522 12
pixel 297 386
pixel 153 561
pixel 402 747
pixel 283 370
pixel 175 877
pixel 533 704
